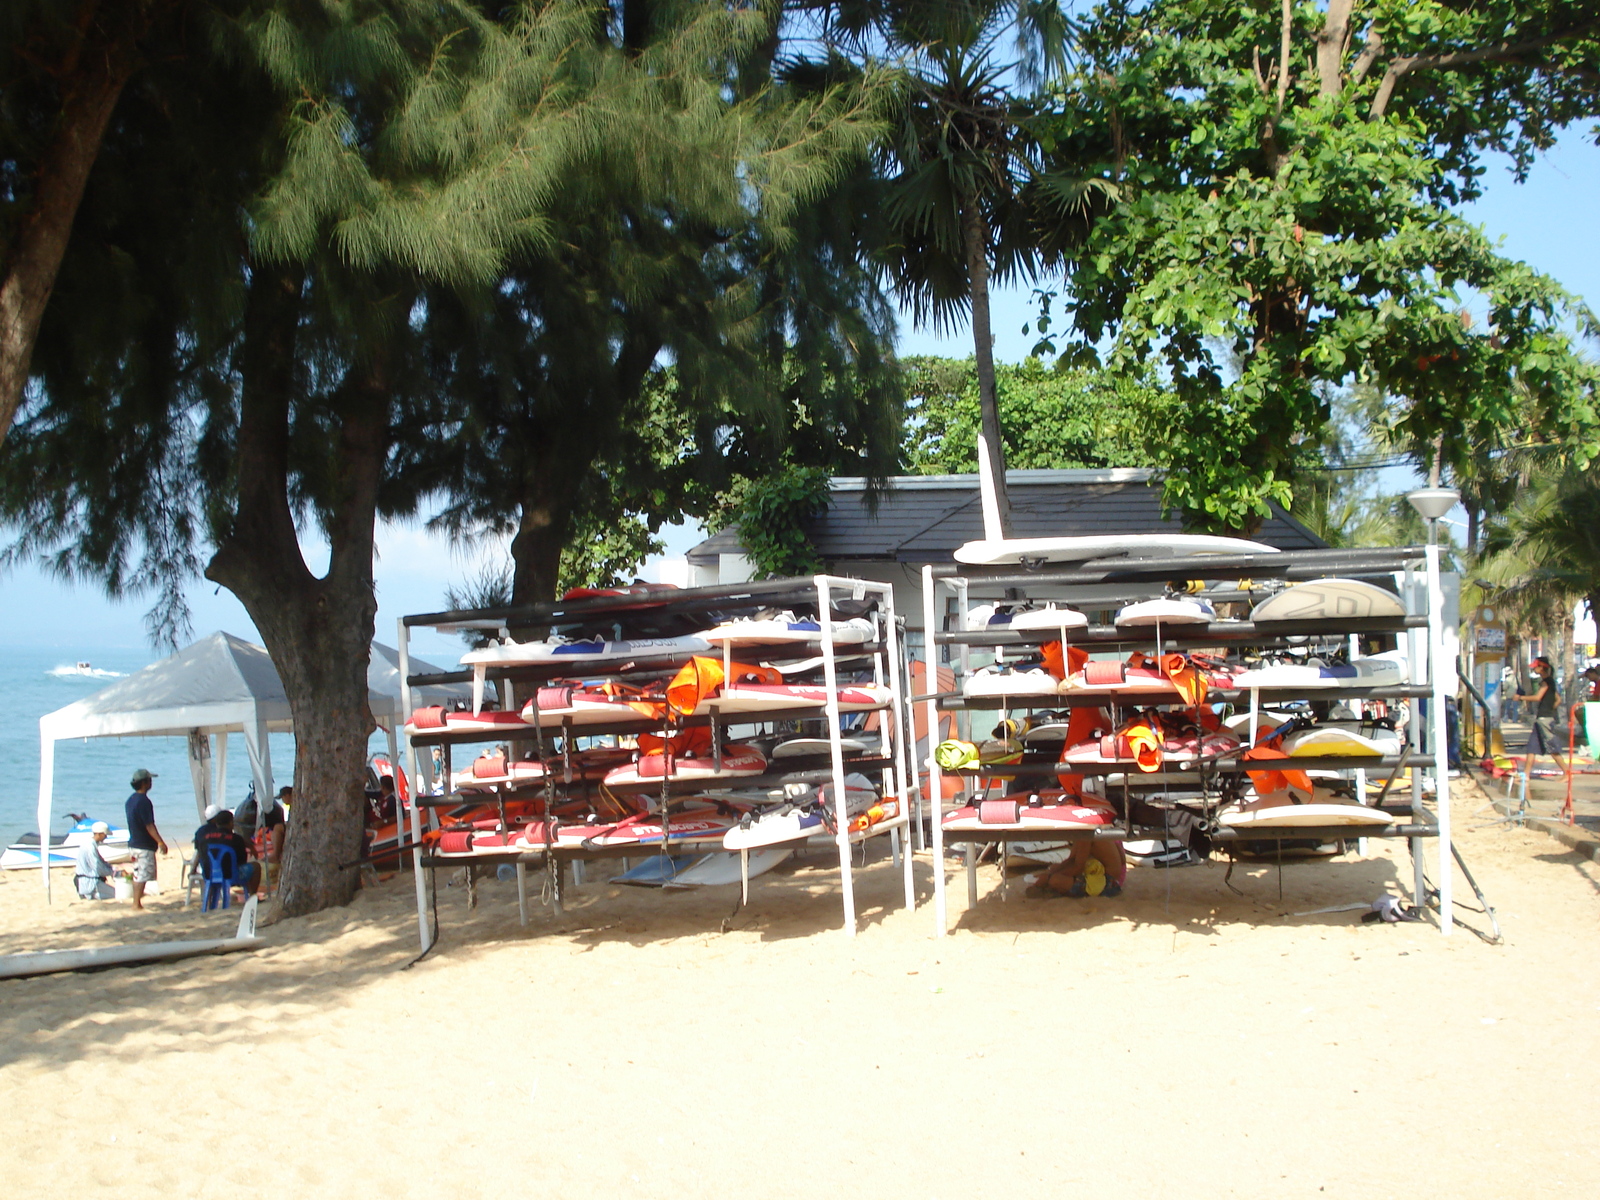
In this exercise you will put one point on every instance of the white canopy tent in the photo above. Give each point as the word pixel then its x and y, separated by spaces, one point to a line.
pixel 219 685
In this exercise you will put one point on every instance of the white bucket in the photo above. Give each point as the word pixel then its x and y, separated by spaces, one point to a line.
pixel 122 888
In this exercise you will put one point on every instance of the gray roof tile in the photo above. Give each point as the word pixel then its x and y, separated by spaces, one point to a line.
pixel 925 522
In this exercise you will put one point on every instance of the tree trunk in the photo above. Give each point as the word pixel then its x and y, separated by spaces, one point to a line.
pixel 89 91
pixel 542 530
pixel 318 631
pixel 1332 43
pixel 976 241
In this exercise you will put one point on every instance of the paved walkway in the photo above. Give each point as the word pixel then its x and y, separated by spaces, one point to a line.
pixel 1547 787
pixel 1547 791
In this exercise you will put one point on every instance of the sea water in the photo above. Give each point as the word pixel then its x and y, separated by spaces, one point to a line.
pixel 92 775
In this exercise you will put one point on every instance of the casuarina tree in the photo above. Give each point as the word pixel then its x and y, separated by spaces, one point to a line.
pixel 237 356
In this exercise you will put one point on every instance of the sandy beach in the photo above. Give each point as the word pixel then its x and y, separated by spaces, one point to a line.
pixel 1179 1040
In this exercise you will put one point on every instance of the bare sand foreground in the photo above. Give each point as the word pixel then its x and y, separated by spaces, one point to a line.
pixel 1173 1042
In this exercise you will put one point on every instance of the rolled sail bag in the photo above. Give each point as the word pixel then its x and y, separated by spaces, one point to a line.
pixel 998 812
pixel 1098 673
pixel 555 697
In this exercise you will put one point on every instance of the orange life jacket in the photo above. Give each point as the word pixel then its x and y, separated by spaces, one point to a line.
pixel 702 678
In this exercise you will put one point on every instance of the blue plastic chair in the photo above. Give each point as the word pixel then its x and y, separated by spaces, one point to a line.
pixel 223 864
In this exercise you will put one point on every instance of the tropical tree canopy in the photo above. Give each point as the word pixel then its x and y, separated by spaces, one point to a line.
pixel 1073 417
pixel 1281 226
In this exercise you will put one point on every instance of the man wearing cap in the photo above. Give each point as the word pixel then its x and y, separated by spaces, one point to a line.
pixel 143 836
pixel 92 870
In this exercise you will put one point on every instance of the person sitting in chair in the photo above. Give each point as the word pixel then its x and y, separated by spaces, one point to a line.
pixel 219 832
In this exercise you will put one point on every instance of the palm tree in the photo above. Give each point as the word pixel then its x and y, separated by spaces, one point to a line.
pixel 968 203
pixel 1544 553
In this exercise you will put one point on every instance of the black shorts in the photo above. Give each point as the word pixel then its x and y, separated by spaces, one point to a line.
pixel 1542 738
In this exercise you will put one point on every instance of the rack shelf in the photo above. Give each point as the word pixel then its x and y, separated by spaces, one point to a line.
pixel 956 702
pixel 1085 584
pixel 818 658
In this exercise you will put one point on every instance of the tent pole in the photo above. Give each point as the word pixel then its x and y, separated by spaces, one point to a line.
pixel 222 770
pixel 259 751
pixel 200 770
pixel 47 782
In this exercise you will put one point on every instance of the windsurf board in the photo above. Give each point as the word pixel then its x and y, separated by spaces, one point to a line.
pixel 1016 551
pixel 1327 600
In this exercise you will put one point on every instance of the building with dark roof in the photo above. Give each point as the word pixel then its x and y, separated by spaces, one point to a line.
pixel 921 519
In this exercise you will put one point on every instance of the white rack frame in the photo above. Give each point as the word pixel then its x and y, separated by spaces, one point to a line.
pixel 893 726
pixel 1429 670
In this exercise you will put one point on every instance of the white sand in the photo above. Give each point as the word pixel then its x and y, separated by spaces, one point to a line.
pixel 1197 1044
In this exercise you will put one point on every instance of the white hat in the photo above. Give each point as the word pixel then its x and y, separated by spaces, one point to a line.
pixel 212 810
pixel 99 827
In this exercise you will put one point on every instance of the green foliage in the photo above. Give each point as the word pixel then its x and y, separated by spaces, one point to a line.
pixel 1271 241
pixel 1543 553
pixel 771 515
pixel 507 209
pixel 1066 417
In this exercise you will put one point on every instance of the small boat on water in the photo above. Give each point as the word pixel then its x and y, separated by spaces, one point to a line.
pixel 63 849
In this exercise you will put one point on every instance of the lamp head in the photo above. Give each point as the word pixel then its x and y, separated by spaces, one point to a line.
pixel 1433 503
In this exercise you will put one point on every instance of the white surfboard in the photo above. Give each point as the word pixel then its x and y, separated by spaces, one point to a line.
pixel 1340 739
pixel 1040 852
pixel 718 870
pixel 1289 816
pixel 774 828
pixel 1327 600
pixel 1167 610
pixel 1043 618
pixel 48 962
pixel 789 631
pixel 804 747
pixel 1015 551
pixel 1011 683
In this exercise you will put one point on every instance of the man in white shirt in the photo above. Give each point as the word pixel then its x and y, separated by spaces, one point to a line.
pixel 92 870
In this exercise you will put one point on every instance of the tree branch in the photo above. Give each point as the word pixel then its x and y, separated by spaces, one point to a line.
pixel 1332 42
pixel 1369 54
pixel 89 95
pixel 1283 55
pixel 1504 52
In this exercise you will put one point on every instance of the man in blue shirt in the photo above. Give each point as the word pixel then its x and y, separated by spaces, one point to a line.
pixel 143 836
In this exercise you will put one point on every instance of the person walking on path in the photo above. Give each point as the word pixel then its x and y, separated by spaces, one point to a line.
pixel 143 836
pixel 91 870
pixel 1546 706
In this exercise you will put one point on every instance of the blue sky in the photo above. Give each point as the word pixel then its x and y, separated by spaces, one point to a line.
pixel 1548 222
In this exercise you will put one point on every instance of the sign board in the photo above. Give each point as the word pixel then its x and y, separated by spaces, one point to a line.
pixel 1489 633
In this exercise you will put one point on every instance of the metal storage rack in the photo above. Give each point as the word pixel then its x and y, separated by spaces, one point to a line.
pixel 1133 579
pixel 820 593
